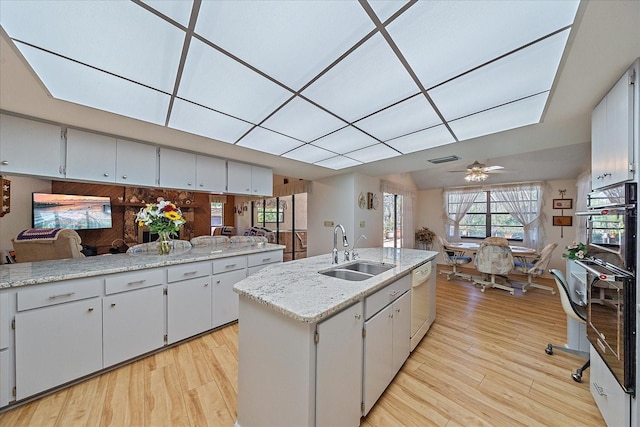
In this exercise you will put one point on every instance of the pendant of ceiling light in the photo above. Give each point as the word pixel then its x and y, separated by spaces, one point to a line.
pixel 478 172
pixel 476 176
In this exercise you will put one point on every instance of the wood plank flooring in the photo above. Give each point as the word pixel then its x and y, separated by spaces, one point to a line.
pixel 481 364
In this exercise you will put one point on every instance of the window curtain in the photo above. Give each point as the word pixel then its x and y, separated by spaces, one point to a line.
pixel 529 212
pixel 408 196
pixel 461 201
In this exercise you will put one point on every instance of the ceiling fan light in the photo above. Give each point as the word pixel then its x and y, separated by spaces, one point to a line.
pixel 476 176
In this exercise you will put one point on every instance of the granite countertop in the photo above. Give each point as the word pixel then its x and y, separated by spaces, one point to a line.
pixel 297 290
pixel 31 273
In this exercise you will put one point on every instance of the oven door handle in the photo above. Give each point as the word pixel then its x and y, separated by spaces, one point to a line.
pixel 615 276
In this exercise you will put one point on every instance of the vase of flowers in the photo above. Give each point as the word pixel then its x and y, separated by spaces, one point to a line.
pixel 163 218
pixel 575 251
pixel 424 237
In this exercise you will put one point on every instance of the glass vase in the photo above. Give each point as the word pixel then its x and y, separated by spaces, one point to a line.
pixel 164 243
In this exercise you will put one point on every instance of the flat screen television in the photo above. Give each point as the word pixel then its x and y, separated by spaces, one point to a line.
pixel 71 211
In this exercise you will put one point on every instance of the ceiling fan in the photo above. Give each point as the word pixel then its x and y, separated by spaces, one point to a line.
pixel 478 172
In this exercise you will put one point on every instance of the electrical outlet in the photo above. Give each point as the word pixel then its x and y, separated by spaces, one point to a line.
pixel 362 224
pixel 328 224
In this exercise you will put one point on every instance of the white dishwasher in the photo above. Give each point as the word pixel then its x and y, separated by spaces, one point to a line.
pixel 423 301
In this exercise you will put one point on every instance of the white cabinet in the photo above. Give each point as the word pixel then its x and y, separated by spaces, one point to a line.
pixel 256 262
pixel 136 163
pixel 177 169
pixel 387 341
pixel 211 174
pixel 57 344
pixel 614 404
pixel 133 312
pixel 612 130
pixel 90 157
pixel 5 388
pixel 247 179
pixel 225 300
pixel 339 368
pixel 29 147
pixel 188 300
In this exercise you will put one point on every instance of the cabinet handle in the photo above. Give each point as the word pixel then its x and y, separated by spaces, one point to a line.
pixel 201 185
pixel 247 189
pixel 189 184
pixel 4 163
pixel 397 310
pixel 358 316
pixel 124 176
pixel 217 282
pixel 90 309
pixel 599 389
pixel 393 293
pixel 266 259
pixel 105 174
pixel 113 304
pixel 229 265
pixel 189 273
pixel 62 295
pixel 137 282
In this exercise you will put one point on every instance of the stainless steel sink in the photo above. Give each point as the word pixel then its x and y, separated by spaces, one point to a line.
pixel 361 270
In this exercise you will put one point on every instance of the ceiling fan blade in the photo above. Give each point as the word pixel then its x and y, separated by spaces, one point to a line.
pixel 493 168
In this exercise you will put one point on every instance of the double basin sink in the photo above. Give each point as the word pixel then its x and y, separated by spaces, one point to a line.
pixel 357 271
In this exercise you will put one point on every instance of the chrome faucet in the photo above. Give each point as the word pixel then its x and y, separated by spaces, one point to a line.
pixel 354 254
pixel 345 243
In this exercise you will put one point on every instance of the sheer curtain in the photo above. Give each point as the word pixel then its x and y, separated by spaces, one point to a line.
pixel 408 196
pixel 459 200
pixel 522 205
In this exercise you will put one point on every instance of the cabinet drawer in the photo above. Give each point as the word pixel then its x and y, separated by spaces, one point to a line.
pixel 134 280
pixel 613 402
pixel 67 291
pixel 264 258
pixel 386 295
pixel 229 264
pixel 188 271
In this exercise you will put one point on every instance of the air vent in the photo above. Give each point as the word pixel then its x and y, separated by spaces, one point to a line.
pixel 444 159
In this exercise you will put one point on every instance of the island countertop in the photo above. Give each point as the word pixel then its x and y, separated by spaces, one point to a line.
pixel 32 273
pixel 297 289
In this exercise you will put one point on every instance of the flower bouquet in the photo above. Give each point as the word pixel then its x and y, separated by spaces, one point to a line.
pixel 575 251
pixel 163 218
pixel 425 237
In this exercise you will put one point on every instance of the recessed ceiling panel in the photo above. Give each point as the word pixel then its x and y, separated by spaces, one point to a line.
pixel 373 153
pixel 216 81
pixel 338 162
pixel 517 114
pixel 291 41
pixel 119 37
pixel 429 138
pixel 345 140
pixel 309 154
pixel 179 11
pixel 70 81
pixel 408 116
pixel 368 80
pixel 302 120
pixel 516 76
pixel 269 142
pixel 442 39
pixel 202 121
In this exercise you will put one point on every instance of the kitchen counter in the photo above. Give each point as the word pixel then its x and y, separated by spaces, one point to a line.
pixel 298 291
pixel 31 273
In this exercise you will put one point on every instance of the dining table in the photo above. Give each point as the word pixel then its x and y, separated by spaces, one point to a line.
pixel 518 251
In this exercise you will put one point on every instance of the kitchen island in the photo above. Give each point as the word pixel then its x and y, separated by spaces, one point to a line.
pixel 306 338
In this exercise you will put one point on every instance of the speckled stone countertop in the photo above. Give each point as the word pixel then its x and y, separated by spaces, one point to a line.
pixel 297 289
pixel 31 273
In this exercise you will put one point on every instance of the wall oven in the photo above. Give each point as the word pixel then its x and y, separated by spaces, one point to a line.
pixel 611 278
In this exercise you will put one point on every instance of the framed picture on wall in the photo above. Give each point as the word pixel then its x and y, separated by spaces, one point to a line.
pixel 562 203
pixel 563 221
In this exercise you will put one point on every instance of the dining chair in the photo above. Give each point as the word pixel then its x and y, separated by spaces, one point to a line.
pixel 453 258
pixel 535 268
pixel 494 259
pixel 577 312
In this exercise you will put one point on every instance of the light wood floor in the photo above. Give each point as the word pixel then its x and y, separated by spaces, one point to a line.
pixel 481 364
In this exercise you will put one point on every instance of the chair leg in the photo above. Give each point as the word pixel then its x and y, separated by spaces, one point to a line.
pixel 536 285
pixel 492 284
pixel 577 376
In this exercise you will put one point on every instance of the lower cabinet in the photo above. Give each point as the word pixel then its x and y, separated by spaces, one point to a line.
pixel 132 324
pixel 57 344
pixel 339 368
pixel 188 308
pixel 614 404
pixel 224 299
pixel 5 388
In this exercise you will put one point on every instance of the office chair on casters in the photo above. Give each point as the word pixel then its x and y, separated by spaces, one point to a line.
pixel 453 259
pixel 576 312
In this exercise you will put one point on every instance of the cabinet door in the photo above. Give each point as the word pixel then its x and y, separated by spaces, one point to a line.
pixel 620 130
pixel 401 331
pixel 339 369
pixel 598 144
pixel 133 324
pixel 261 181
pixel 57 344
pixel 378 356
pixel 29 147
pixel 613 402
pixel 211 174
pixel 5 388
pixel 238 178
pixel 225 300
pixel 188 308
pixel 90 156
pixel 177 169
pixel 136 163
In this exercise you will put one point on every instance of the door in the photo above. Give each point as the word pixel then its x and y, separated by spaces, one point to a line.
pixel 401 332
pixel 392 220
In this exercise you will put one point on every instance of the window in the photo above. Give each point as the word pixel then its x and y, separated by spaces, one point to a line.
pixel 392 220
pixel 269 215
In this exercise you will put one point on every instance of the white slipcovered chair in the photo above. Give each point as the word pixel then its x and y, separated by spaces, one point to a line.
pixel 494 259
pixel 453 258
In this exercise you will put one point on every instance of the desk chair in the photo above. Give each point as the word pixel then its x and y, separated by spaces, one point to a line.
pixel 536 268
pixel 45 244
pixel 453 259
pixel 575 311
pixel 495 260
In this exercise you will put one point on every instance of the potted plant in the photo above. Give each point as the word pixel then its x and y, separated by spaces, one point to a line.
pixel 424 238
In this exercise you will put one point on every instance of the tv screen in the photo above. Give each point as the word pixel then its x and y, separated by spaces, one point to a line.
pixel 71 211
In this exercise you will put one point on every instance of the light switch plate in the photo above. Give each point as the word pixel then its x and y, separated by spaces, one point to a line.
pixel 328 224
pixel 362 224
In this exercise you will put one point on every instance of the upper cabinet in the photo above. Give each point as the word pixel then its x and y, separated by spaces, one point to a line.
pixel 211 174
pixel 177 169
pixel 612 133
pixel 29 147
pixel 136 163
pixel 90 157
pixel 247 179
